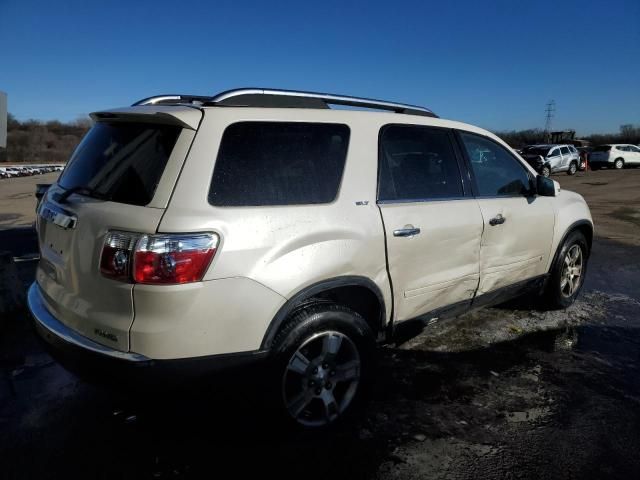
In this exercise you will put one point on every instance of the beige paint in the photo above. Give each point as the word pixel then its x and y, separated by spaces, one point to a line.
pixel 519 248
pixel 268 254
pixel 439 266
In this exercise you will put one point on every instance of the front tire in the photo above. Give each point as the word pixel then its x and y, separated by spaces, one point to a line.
pixel 324 355
pixel 568 272
pixel 618 164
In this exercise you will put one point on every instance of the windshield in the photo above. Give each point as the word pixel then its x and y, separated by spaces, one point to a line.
pixel 120 162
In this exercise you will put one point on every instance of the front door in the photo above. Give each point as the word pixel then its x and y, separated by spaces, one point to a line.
pixel 433 227
pixel 518 226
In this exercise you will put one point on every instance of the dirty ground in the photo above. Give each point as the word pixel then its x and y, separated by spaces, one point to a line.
pixel 508 392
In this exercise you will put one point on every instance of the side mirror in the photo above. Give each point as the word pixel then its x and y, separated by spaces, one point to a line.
pixel 545 187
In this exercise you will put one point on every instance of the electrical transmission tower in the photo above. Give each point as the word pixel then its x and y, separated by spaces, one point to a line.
pixel 550 110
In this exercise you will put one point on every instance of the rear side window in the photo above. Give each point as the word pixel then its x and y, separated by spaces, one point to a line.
pixel 121 162
pixel 564 150
pixel 602 148
pixel 417 163
pixel 279 163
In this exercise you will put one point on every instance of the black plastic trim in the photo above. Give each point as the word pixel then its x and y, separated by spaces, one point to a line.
pixel 307 293
pixel 570 229
pixel 408 329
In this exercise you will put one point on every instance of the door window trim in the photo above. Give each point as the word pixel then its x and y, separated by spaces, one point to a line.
pixel 465 178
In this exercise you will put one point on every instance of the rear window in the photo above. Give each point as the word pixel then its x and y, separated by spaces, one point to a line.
pixel 121 162
pixel 602 148
pixel 279 163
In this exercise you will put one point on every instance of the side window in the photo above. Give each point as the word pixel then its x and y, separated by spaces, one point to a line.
pixel 555 152
pixel 417 163
pixel 279 163
pixel 633 148
pixel 496 171
pixel 564 150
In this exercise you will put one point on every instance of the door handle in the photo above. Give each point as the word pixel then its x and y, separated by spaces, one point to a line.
pixel 497 220
pixel 407 231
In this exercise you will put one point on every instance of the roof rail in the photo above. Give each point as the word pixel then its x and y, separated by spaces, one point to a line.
pixel 273 98
pixel 172 100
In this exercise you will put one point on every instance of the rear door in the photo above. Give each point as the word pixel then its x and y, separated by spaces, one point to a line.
pixel 433 226
pixel 123 172
pixel 518 228
pixel 566 157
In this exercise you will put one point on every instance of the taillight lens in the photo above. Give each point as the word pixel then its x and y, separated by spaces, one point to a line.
pixel 117 255
pixel 173 258
pixel 158 259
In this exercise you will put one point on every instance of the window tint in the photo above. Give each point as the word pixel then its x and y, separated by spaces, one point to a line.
pixel 278 163
pixel 495 170
pixel 417 163
pixel 564 150
pixel 121 162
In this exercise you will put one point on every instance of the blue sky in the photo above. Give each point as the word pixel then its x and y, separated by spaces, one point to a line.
pixel 494 64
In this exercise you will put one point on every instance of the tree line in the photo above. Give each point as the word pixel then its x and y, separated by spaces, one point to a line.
pixel 33 141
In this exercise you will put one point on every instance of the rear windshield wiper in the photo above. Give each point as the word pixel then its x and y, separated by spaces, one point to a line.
pixel 81 189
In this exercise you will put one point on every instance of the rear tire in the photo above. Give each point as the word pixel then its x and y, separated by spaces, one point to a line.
pixel 573 168
pixel 618 164
pixel 568 272
pixel 324 358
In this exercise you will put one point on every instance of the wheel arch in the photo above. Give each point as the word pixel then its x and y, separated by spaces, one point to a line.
pixel 360 294
pixel 583 226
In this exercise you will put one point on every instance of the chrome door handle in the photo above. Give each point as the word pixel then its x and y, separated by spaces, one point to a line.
pixel 408 231
pixel 497 220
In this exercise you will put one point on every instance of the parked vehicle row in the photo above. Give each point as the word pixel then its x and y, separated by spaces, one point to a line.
pixel 28 170
pixel 548 159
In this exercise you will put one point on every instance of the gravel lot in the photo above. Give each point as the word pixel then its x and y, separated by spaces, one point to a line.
pixel 509 392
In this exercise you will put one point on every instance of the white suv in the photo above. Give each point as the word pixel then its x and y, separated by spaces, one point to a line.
pixel 615 156
pixel 548 159
pixel 189 234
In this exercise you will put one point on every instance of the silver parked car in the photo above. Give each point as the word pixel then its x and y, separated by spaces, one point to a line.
pixel 548 159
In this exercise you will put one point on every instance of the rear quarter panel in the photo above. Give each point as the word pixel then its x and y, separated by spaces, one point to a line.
pixel 286 248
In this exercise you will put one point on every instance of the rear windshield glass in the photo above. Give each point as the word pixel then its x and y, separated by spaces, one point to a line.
pixel 121 162
pixel 278 163
pixel 602 148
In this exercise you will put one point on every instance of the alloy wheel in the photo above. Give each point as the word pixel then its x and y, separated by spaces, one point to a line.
pixel 321 379
pixel 571 271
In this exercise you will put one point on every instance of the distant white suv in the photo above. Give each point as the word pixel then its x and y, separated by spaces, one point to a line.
pixel 189 234
pixel 548 159
pixel 615 156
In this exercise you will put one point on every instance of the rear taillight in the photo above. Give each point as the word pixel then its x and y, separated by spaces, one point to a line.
pixel 157 259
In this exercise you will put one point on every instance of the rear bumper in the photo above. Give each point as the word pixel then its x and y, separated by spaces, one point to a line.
pixel 100 364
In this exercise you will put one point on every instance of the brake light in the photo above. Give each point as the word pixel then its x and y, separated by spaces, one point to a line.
pixel 116 258
pixel 158 259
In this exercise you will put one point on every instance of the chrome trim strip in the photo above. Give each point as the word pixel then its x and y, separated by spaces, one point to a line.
pixel 156 99
pixel 47 322
pixel 327 97
pixel 58 216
